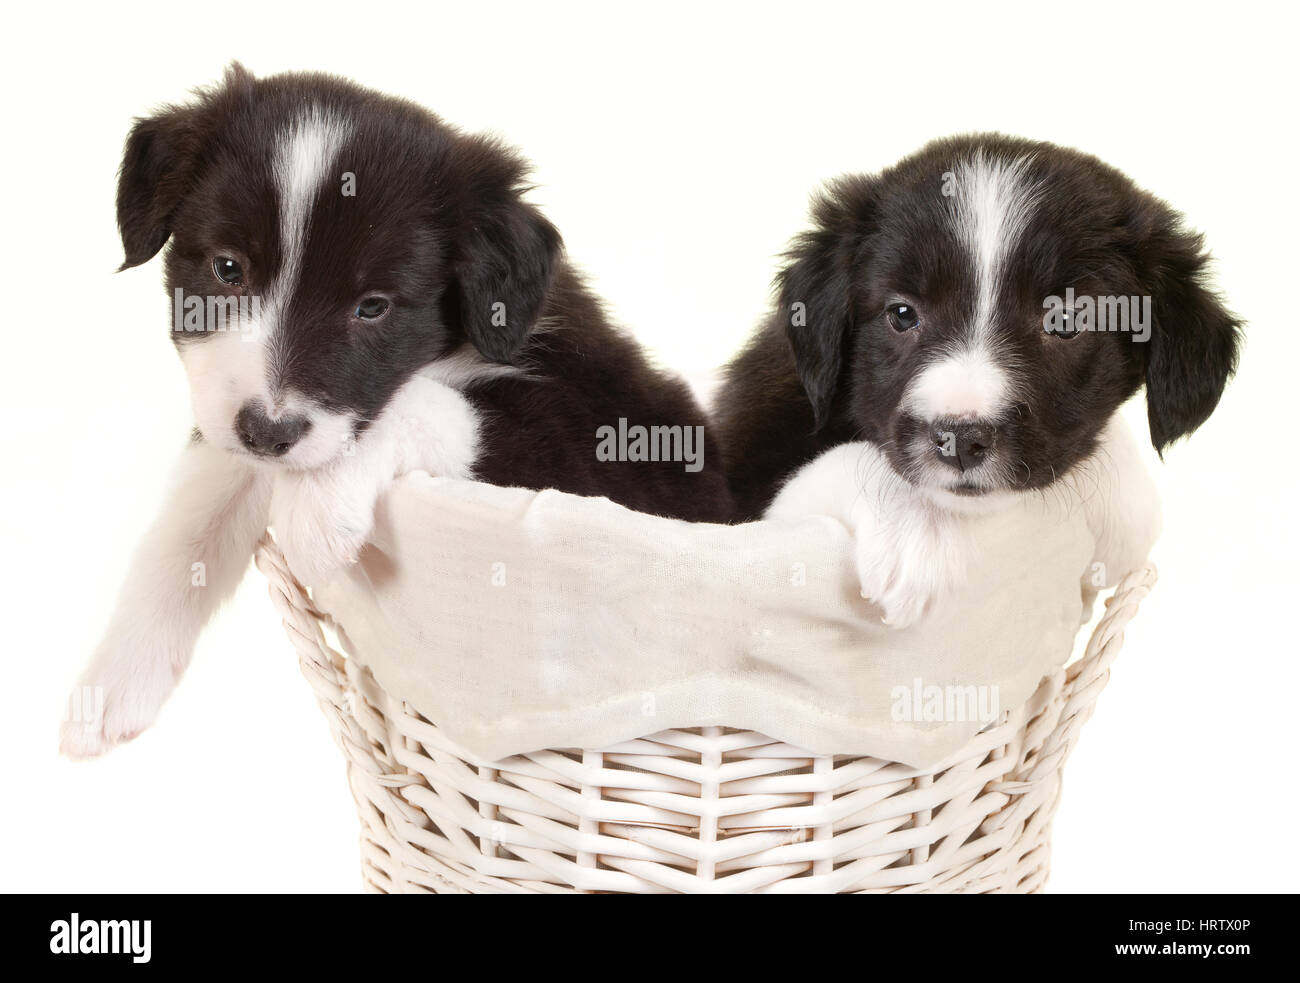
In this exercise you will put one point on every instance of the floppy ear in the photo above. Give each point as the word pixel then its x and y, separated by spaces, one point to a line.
pixel 1192 351
pixel 815 290
pixel 158 166
pixel 506 256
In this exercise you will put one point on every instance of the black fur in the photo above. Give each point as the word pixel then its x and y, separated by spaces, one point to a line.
pixel 439 225
pixel 804 384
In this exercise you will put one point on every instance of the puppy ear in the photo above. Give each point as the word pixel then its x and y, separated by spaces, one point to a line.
pixel 815 291
pixel 158 167
pixel 1194 343
pixel 505 257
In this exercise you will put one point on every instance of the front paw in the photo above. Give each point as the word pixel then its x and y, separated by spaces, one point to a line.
pixel 905 579
pixel 319 530
pixel 111 706
pixel 902 602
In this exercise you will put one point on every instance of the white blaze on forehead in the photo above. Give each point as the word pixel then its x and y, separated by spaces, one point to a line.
pixel 991 205
pixel 992 202
pixel 307 153
pixel 969 384
pixel 228 371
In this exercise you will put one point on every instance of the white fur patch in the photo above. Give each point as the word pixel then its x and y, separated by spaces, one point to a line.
pixel 224 372
pixel 465 365
pixel 1120 500
pixel 972 384
pixel 323 517
pixel 993 201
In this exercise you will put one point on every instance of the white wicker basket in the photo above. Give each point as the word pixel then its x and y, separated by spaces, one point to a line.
pixel 703 810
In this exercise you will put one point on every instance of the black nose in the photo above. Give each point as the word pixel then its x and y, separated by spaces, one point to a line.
pixel 962 444
pixel 262 435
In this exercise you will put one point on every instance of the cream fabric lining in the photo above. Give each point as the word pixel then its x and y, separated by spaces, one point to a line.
pixel 519 620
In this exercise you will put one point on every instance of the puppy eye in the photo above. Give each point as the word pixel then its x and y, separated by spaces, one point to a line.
pixel 902 317
pixel 228 270
pixel 1069 326
pixel 372 308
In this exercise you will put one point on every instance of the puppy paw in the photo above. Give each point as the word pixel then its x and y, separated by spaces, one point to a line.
pixel 320 529
pixel 903 600
pixel 113 705
pixel 904 576
pixel 902 606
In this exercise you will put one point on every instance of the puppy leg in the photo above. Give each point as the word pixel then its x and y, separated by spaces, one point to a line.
pixel 187 565
pixel 909 558
pixel 908 551
pixel 1121 505
pixel 322 518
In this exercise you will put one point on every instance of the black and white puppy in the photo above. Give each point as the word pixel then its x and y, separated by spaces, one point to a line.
pixel 360 291
pixel 958 331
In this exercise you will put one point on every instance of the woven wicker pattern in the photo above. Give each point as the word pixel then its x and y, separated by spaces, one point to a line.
pixel 705 810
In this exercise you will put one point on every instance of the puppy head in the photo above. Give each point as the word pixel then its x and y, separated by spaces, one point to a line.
pixel 981 309
pixel 326 242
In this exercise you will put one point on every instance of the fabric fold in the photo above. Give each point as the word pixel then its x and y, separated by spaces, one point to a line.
pixel 518 620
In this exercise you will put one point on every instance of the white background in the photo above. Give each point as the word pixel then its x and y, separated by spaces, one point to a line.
pixel 675 148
